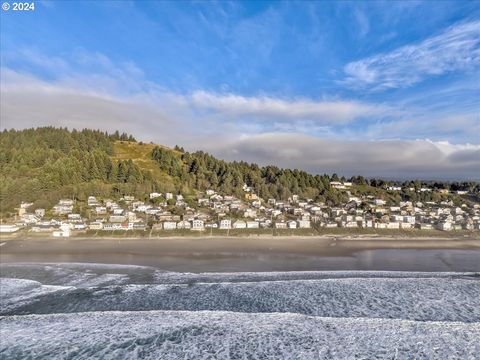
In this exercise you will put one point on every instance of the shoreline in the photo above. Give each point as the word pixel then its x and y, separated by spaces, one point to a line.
pixel 410 235
pixel 245 254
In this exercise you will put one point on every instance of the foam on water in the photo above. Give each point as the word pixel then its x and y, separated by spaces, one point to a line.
pixel 110 311
pixel 226 335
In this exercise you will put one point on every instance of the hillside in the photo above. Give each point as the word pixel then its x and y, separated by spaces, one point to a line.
pixel 45 164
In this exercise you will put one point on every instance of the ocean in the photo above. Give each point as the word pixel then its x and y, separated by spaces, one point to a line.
pixel 88 310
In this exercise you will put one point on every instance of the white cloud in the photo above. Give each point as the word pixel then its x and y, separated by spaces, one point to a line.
pixel 327 112
pixel 457 48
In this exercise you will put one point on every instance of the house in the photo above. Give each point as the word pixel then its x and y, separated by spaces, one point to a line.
pixel 250 213
pixel 239 224
pixel 92 201
pixel 350 224
pixel 184 224
pixel 8 228
pixel 138 225
pixel 154 195
pixel 304 224
pixel 225 224
pixel 118 211
pixel 252 225
pixel 117 218
pixel 444 225
pixel 100 210
pixel 331 225
pixel 115 226
pixel 337 185
pixel 197 225
pixel 63 232
pixel 292 224
pixel 394 188
pixel 74 217
pixel 96 225
pixel 62 209
pixel 30 218
pixel 168 196
pixel 203 201
pixel 169 225
pixel 40 213
pixel 280 225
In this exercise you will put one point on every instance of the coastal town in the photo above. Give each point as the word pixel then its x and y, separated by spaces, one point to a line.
pixel 167 212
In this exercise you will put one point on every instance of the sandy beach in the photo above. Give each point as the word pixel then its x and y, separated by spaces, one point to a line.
pixel 248 253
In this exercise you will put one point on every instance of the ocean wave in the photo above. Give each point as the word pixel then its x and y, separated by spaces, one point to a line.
pixel 446 298
pixel 228 335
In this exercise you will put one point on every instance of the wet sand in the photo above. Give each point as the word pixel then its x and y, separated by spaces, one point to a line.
pixel 254 254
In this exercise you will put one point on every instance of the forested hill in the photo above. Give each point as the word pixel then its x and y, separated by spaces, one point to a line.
pixel 45 164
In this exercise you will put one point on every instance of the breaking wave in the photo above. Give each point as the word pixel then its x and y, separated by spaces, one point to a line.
pixel 110 311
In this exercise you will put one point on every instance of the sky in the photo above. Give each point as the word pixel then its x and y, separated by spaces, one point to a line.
pixel 377 88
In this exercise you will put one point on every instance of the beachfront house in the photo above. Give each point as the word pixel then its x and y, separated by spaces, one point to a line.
pixel 304 224
pixel 184 224
pixel 239 224
pixel 252 225
pixel 225 224
pixel 169 225
pixel 198 225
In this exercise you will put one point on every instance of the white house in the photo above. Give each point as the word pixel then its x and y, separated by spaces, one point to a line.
pixel 292 224
pixel 304 224
pixel 100 210
pixel 155 195
pixel 40 213
pixel 239 224
pixel 250 213
pixel 169 225
pixel 8 228
pixel 252 225
pixel 63 232
pixel 184 225
pixel 225 224
pixel 96 225
pixel 198 225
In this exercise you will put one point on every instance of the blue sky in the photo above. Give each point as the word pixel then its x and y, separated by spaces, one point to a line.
pixel 383 88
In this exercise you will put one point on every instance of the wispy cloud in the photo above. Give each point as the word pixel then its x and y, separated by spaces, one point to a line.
pixel 362 22
pixel 456 48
